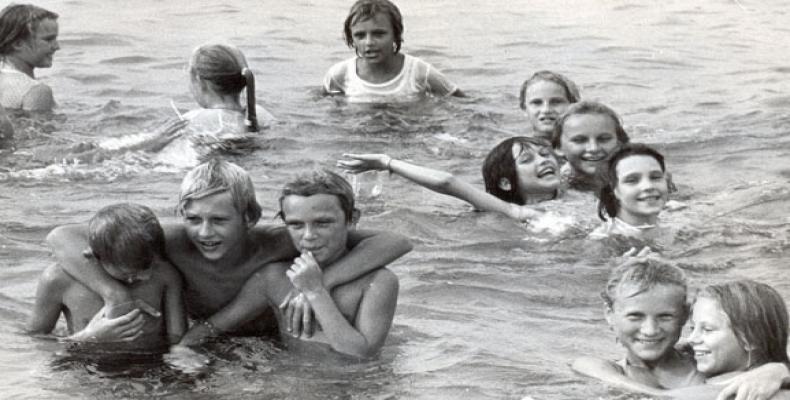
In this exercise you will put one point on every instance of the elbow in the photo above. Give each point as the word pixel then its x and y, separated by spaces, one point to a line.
pixel 445 183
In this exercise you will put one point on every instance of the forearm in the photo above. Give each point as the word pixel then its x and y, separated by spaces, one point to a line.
pixel 67 243
pixel 343 337
pixel 371 251
pixel 435 180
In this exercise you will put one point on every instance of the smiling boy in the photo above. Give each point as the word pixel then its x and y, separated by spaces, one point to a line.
pixel 28 40
pixel 218 247
pixel 355 317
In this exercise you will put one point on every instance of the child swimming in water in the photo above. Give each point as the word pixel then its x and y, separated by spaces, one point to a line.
pixel 633 194
pixel 380 72
pixel 127 241
pixel 586 134
pixel 646 306
pixel 544 97
pixel 518 172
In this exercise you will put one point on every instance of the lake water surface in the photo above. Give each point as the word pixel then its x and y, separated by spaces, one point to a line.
pixel 488 309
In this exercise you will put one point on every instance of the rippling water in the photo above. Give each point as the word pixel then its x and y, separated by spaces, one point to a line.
pixel 488 309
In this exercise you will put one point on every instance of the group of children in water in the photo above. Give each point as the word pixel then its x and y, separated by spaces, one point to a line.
pixel 575 145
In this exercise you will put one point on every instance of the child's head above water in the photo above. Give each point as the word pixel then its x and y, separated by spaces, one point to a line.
pixel 586 134
pixel 544 97
pixel 216 176
pixel 19 22
pixel 222 69
pixel 125 239
pixel 634 185
pixel 322 182
pixel 519 167
pixel 363 10
pixel 737 326
pixel 646 306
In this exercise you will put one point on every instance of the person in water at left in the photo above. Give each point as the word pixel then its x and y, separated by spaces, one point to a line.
pixel 28 40
pixel 380 72
pixel 128 243
pixel 354 317
pixel 519 172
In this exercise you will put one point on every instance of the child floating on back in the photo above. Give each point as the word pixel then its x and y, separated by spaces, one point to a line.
pixel 127 241
pixel 380 72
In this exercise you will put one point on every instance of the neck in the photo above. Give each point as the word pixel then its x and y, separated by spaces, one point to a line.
pixel 388 66
pixel 637 220
pixel 219 101
pixel 20 65
pixel 535 198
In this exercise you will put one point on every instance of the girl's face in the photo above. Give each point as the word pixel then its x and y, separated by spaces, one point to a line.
pixel 587 141
pixel 641 189
pixel 716 348
pixel 545 102
pixel 537 169
pixel 648 324
pixel 374 39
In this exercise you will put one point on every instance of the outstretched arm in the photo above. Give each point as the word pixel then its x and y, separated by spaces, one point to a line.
pixel 438 181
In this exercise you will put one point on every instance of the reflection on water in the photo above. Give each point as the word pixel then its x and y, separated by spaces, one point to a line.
pixel 488 308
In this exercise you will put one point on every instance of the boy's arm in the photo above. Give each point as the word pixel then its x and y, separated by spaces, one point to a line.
pixel 610 373
pixel 374 313
pixel 39 98
pixel 762 382
pixel 68 243
pixel 49 296
pixel 174 312
pixel 250 302
pixel 370 250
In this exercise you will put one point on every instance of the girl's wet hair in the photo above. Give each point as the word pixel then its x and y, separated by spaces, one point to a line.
pixel 19 22
pixel 589 107
pixel 499 163
pixel 758 317
pixel 225 69
pixel 366 9
pixel 217 176
pixel 127 235
pixel 571 90
pixel 607 176
pixel 642 275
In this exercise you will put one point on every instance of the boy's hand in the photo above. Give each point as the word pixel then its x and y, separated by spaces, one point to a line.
pixel 200 331
pixel 760 383
pixel 114 310
pixel 358 163
pixel 185 359
pixel 298 314
pixel 101 328
pixel 305 274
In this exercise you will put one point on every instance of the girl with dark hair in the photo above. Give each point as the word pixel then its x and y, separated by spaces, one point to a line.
pixel 518 172
pixel 633 192
pixel 380 72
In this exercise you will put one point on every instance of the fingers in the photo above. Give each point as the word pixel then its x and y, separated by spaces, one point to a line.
pixel 147 308
pixel 293 293
pixel 644 252
pixel 296 320
pixel 289 312
pixel 307 319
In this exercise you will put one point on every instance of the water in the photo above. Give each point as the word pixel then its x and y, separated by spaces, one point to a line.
pixel 488 309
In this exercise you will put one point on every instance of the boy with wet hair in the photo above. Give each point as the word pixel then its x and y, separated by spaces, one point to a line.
pixel 218 247
pixel 355 317
pixel 127 241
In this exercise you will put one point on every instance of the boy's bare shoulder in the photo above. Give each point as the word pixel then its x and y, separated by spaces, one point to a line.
pixel 56 279
pixel 166 271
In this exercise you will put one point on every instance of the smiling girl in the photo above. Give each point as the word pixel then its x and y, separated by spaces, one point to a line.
pixel 634 193
pixel 518 172
pixel 586 135
pixel 544 97
pixel 380 72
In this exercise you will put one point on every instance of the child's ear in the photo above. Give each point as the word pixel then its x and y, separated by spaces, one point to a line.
pixel 249 223
pixel 505 185
pixel 354 218
pixel 609 314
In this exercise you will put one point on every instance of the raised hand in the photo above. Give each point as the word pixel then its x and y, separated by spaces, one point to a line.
pixel 358 163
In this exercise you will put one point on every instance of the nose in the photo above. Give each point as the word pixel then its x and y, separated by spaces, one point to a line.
pixel 56 46
pixel 206 229
pixel 309 232
pixel 649 327
pixel 694 337
pixel 545 107
pixel 592 146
